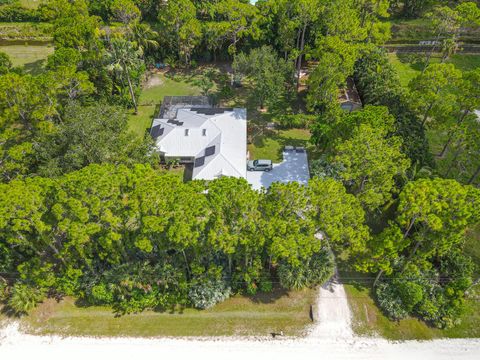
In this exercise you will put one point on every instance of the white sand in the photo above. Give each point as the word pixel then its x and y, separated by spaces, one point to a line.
pixel 333 317
pixel 330 338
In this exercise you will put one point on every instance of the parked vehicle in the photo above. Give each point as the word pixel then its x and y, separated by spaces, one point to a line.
pixel 259 165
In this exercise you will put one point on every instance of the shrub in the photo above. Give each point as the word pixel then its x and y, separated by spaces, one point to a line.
pixel 17 13
pixel 24 298
pixel 5 63
pixel 437 296
pixel 133 287
pixel 205 293
pixel 69 283
pixel 323 168
pixel 295 121
pixel 100 294
pixel 410 293
pixel 312 272
pixel 389 301
pixel 208 287
pixel 3 289
pixel 266 284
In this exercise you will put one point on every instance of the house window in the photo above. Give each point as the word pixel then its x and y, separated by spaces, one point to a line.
pixel 209 151
pixel 199 161
pixel 204 132
pixel 186 132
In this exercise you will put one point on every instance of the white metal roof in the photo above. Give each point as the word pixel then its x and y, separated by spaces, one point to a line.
pixel 223 133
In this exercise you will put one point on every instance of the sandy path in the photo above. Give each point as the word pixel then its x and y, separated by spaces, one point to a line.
pixel 330 338
pixel 333 316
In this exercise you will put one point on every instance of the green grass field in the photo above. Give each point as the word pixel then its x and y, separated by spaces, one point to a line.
pixel 243 316
pixel 30 57
pixel 151 98
pixel 407 69
pixel 270 144
pixel 31 4
pixel 413 30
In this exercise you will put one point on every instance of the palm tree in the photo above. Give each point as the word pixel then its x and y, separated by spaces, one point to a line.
pixel 122 56
pixel 144 36
pixel 24 298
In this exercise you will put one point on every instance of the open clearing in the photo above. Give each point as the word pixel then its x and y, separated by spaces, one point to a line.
pixel 32 4
pixel 30 57
pixel 151 98
pixel 407 68
pixel 270 143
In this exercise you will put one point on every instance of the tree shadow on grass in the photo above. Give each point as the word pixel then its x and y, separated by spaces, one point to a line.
pixel 348 276
pixel 35 67
pixel 268 297
pixel 413 60
pixel 8 312
pixel 279 137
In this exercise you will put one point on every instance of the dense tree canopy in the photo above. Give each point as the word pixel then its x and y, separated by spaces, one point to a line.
pixel 430 223
pixel 273 77
pixel 77 234
pixel 89 135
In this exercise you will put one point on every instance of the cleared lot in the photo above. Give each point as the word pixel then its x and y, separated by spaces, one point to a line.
pixel 294 167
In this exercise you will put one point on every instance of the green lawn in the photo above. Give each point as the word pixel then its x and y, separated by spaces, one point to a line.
pixel 152 97
pixel 410 30
pixel 247 316
pixel 31 57
pixel 31 4
pixel 407 69
pixel 270 144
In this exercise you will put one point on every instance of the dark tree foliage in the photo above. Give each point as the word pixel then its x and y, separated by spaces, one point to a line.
pixel 318 269
pixel 435 295
pixel 378 84
pixel 5 63
pixel 90 135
